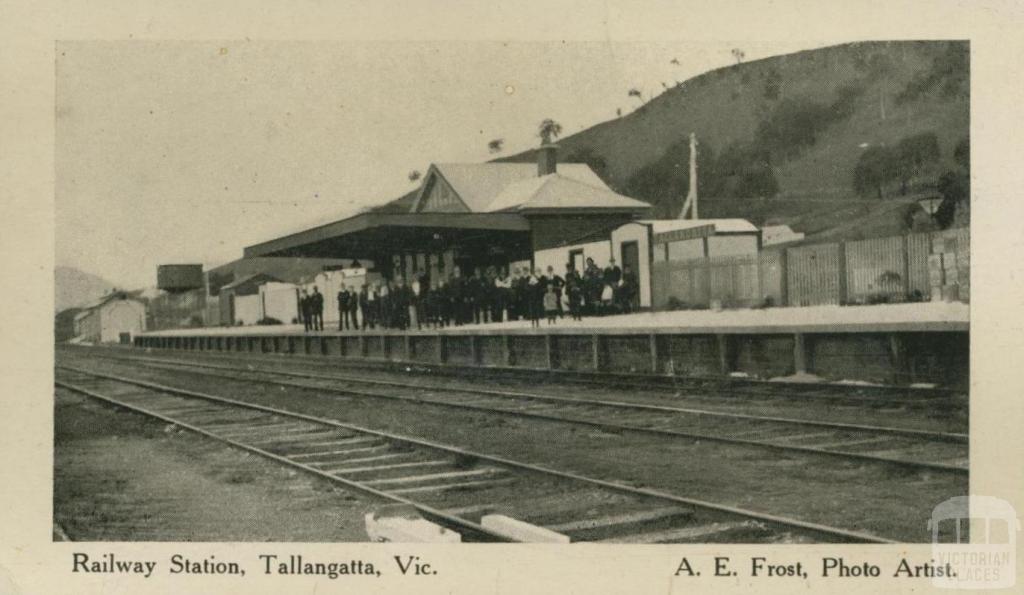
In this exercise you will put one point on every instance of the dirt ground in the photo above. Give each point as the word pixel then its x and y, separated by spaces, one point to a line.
pixel 119 476
pixel 858 496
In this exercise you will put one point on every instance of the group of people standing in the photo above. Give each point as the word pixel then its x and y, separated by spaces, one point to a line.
pixel 489 295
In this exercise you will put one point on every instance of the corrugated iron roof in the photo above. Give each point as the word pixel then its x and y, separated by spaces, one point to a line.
pixel 720 225
pixel 479 184
pixel 557 191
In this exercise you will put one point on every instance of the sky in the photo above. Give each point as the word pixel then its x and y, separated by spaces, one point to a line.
pixel 186 152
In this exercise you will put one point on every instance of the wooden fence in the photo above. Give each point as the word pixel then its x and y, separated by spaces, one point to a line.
pixel 891 269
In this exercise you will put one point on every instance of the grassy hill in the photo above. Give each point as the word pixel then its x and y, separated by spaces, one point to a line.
pixel 780 138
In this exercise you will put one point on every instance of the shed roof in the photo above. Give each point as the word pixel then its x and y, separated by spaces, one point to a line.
pixel 558 191
pixel 116 295
pixel 720 225
pixel 255 277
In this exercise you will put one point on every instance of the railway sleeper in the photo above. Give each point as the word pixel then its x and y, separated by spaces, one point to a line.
pixel 596 529
pixel 709 533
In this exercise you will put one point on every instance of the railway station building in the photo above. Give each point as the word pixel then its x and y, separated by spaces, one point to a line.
pixel 473 216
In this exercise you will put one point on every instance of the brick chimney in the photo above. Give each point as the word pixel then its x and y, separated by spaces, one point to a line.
pixel 547 159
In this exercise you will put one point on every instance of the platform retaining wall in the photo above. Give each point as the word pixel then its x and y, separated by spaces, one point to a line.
pixel 884 357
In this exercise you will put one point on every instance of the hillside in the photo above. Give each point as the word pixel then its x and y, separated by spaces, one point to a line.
pixel 73 287
pixel 781 137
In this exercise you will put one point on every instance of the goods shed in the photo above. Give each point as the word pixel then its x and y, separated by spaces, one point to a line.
pixel 116 317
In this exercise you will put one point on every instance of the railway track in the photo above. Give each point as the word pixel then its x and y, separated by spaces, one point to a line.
pixel 730 388
pixel 907 448
pixel 457 488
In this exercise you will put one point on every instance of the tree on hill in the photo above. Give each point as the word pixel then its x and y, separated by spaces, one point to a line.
pixel 743 172
pixel 913 156
pixel 496 145
pixel 738 55
pixel 962 154
pixel 881 166
pixel 875 169
pixel 950 70
pixel 792 126
pixel 549 131
pixel 634 92
pixel 955 188
pixel 665 182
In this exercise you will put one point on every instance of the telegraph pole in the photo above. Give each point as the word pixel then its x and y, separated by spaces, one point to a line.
pixel 690 205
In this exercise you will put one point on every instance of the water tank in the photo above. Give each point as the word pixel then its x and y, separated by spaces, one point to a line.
pixel 179 277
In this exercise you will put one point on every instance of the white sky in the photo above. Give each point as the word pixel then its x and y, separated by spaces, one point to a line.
pixel 172 152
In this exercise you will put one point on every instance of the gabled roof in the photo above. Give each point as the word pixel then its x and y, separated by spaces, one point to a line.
pixel 248 279
pixel 478 184
pixel 557 191
pixel 116 295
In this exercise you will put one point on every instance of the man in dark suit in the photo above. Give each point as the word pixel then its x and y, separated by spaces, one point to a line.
pixel 457 295
pixel 344 300
pixel 317 309
pixel 304 310
pixel 366 304
pixel 629 290
pixel 353 307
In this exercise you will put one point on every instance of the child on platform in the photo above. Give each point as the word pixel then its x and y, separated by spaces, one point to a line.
pixel 551 304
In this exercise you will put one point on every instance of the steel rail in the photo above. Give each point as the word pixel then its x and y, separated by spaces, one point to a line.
pixel 439 514
pixel 770 519
pixel 911 432
pixel 746 386
pixel 806 450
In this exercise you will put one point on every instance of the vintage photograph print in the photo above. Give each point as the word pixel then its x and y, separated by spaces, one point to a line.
pixel 528 292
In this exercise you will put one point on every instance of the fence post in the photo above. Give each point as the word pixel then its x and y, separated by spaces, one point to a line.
pixel 707 275
pixel 784 277
pixel 799 353
pixel 900 363
pixel 474 349
pixel 654 353
pixel 724 355
pixel 841 251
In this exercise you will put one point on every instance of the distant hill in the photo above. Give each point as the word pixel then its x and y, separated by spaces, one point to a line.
pixel 780 138
pixel 75 288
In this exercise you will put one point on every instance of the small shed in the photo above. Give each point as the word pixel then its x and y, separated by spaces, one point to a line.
pixel 279 301
pixel 240 300
pixel 643 243
pixel 107 319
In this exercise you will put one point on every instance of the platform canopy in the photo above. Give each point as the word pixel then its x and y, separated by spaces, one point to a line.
pixel 370 235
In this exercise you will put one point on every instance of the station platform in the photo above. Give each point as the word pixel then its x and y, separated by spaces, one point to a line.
pixel 897 344
pixel 912 317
